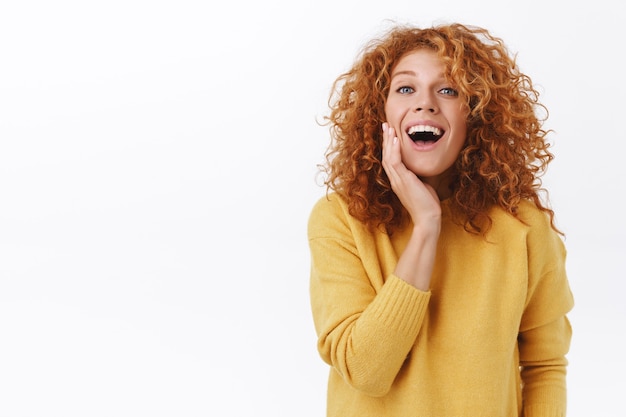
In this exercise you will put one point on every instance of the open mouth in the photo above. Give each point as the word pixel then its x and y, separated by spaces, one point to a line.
pixel 425 133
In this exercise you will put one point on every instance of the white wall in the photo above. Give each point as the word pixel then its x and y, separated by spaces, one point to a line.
pixel 157 165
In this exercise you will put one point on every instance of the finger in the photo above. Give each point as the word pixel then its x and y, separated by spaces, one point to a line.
pixel 392 163
pixel 387 136
pixel 385 139
pixel 385 153
pixel 391 150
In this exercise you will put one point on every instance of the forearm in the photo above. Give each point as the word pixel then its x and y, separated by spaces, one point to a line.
pixel 415 265
pixel 545 391
pixel 368 350
pixel 543 368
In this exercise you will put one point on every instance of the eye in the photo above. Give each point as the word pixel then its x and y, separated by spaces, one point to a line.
pixel 449 91
pixel 405 90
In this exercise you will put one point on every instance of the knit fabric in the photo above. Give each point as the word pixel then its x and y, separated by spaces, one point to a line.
pixel 488 339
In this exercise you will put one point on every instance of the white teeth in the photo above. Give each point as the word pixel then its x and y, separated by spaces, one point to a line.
pixel 424 128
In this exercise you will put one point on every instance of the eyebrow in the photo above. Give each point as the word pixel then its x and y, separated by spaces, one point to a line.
pixel 412 73
pixel 406 72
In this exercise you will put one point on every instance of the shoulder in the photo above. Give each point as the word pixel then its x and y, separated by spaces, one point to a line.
pixel 530 214
pixel 532 226
pixel 543 242
pixel 529 219
pixel 539 226
pixel 328 212
pixel 330 217
pixel 330 202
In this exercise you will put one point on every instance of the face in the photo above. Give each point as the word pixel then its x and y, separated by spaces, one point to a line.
pixel 428 115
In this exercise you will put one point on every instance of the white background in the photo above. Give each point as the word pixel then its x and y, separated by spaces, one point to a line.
pixel 157 168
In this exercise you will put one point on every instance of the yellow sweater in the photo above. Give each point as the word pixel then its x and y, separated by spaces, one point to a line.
pixel 488 340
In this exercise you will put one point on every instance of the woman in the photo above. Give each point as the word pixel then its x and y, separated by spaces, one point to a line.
pixel 438 283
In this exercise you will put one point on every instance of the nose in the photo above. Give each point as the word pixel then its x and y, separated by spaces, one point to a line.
pixel 425 102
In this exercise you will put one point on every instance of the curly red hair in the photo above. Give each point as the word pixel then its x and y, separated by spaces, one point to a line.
pixel 506 150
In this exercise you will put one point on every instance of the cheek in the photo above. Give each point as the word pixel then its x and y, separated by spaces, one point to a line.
pixel 459 137
pixel 460 126
pixel 386 111
pixel 392 113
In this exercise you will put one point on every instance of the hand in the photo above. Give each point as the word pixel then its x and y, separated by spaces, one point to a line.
pixel 418 198
pixel 415 264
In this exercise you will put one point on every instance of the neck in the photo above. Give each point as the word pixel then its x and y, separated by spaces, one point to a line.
pixel 440 183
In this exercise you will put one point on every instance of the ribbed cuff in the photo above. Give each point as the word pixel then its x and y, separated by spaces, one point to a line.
pixel 543 410
pixel 400 306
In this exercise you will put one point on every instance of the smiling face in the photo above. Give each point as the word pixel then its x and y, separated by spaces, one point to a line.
pixel 429 116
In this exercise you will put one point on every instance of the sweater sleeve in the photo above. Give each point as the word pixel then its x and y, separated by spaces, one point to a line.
pixel 545 331
pixel 365 331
